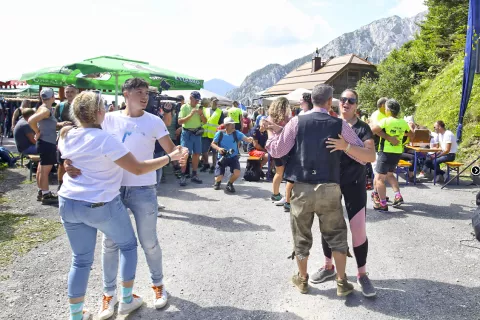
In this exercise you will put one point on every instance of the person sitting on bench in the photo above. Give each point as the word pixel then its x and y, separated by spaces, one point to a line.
pixel 448 144
pixel 24 135
pixel 257 147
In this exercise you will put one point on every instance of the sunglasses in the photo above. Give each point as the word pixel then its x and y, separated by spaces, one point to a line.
pixel 350 100
pixel 99 95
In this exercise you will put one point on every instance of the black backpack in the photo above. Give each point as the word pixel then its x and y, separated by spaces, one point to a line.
pixel 253 171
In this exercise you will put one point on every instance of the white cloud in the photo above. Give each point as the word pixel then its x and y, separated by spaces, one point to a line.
pixel 408 8
pixel 206 39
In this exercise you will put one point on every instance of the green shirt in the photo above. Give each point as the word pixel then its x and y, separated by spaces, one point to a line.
pixel 194 122
pixel 395 128
pixel 235 114
pixel 377 116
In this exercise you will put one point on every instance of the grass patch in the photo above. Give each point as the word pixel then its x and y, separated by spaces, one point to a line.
pixel 19 234
pixel 27 181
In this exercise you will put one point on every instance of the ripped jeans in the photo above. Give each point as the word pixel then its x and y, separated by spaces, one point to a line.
pixel 143 203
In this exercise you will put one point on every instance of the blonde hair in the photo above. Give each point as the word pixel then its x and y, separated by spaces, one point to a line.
pixel 278 110
pixel 84 110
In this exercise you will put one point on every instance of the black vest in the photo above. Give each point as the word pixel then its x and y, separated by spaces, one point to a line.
pixel 309 160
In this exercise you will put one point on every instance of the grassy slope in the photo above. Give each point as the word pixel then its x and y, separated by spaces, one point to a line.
pixel 439 99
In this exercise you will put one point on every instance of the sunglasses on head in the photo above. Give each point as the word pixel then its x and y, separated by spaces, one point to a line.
pixel 98 94
pixel 350 100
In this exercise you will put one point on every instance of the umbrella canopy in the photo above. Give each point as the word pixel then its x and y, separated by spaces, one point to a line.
pixel 222 101
pixel 107 72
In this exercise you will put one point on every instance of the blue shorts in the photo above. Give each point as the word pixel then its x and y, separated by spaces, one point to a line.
pixel 206 144
pixel 233 163
pixel 191 141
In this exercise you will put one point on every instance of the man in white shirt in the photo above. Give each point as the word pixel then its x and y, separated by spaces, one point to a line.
pixel 448 144
pixel 139 131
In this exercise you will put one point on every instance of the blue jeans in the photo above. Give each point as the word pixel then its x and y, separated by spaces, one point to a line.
pixel 143 203
pixel 429 164
pixel 191 141
pixel 159 171
pixel 30 150
pixel 81 223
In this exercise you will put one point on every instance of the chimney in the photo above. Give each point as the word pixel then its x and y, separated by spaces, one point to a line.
pixel 316 64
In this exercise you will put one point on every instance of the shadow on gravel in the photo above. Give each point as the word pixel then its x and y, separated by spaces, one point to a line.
pixel 414 299
pixel 230 224
pixel 184 195
pixel 451 212
pixel 190 310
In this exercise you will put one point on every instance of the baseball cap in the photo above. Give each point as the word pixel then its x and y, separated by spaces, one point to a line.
pixel 228 120
pixel 47 93
pixel 196 95
pixel 214 99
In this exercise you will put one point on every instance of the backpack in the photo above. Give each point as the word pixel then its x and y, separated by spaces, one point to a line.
pixel 253 171
pixel 62 106
pixel 8 157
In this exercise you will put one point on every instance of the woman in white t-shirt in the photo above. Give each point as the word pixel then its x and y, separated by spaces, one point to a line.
pixel 91 201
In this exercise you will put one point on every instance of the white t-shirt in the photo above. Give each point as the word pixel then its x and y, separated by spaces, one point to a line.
pixel 139 136
pixel 93 151
pixel 448 137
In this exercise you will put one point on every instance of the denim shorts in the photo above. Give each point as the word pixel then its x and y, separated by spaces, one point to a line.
pixel 191 141
pixel 206 144
pixel 232 162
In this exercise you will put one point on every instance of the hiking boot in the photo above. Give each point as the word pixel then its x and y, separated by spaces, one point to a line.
pixel 196 179
pixel 39 195
pixel 230 187
pixel 378 206
pixel 205 168
pixel 276 197
pixel 367 288
pixel 216 186
pixel 375 197
pixel 281 202
pixel 398 201
pixel 49 198
pixel 286 207
pixel 160 296
pixel 126 308
pixel 212 170
pixel 344 288
pixel 323 274
pixel 108 307
pixel 183 181
pixel 300 283
pixel 188 176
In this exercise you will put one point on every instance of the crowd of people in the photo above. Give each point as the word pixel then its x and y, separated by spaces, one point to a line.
pixel 107 159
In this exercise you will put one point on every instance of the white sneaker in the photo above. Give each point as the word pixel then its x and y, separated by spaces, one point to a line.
pixel 108 307
pixel 281 202
pixel 126 308
pixel 421 175
pixel 86 315
pixel 160 296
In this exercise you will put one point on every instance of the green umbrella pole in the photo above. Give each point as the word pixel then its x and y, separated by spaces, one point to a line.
pixel 116 90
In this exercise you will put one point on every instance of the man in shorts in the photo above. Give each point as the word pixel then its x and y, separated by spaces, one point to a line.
pixel 388 154
pixel 224 142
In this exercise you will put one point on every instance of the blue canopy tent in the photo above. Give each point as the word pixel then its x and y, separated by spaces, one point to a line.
pixel 471 64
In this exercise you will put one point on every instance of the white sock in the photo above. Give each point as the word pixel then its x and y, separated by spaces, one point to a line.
pixel 45 192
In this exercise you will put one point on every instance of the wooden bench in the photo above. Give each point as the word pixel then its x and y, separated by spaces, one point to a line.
pixel 34 158
pixel 402 167
pixel 455 167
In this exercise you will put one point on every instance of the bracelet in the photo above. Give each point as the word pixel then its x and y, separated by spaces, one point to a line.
pixel 348 148
pixel 169 159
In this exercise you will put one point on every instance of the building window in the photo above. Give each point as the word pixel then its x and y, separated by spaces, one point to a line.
pixel 353 77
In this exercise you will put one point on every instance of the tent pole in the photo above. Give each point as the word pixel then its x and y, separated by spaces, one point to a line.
pixel 116 90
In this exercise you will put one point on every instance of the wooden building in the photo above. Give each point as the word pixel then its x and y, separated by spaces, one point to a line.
pixel 340 72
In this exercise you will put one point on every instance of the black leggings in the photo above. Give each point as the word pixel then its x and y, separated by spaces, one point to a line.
pixel 355 197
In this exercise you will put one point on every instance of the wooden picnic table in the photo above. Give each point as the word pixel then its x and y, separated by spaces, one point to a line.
pixel 423 150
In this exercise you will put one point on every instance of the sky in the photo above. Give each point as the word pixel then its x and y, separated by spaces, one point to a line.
pixel 204 39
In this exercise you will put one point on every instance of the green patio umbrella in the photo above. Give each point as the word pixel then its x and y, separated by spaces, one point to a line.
pixel 107 72
pixel 121 69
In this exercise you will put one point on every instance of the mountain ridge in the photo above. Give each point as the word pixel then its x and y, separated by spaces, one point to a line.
pixel 374 40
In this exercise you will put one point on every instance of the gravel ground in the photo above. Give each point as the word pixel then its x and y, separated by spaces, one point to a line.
pixel 225 257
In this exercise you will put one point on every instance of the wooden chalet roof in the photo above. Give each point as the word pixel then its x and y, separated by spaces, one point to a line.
pixel 302 77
